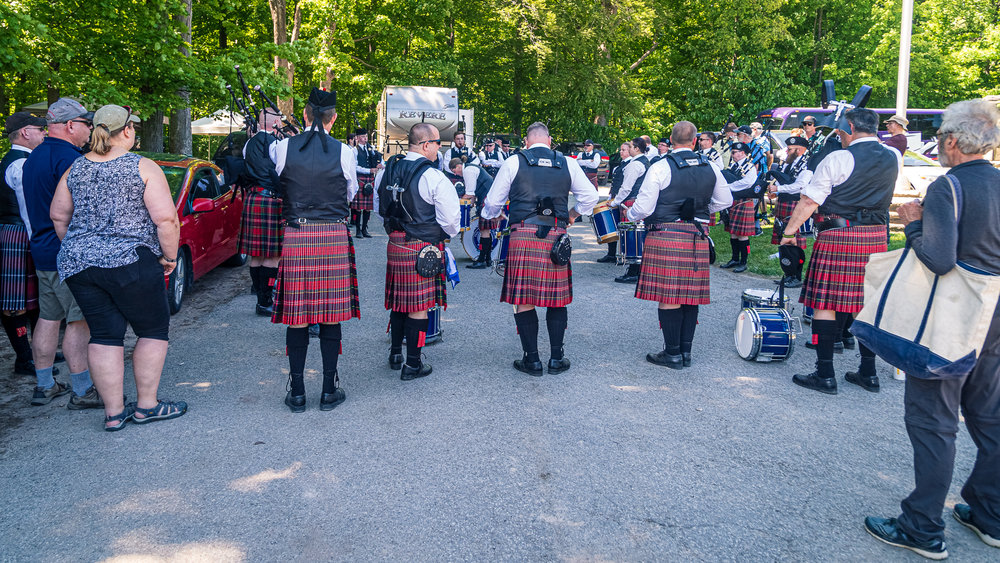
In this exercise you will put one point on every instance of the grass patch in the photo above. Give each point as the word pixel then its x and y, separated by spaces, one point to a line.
pixel 761 249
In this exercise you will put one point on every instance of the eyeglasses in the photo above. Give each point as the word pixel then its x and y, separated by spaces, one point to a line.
pixel 438 141
pixel 34 127
pixel 808 124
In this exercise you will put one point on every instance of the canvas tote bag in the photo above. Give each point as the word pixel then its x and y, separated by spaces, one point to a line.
pixel 930 326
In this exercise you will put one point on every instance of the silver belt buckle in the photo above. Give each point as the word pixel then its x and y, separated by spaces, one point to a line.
pixel 301 220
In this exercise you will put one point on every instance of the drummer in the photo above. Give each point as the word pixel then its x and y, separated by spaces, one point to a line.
pixel 633 175
pixel 617 179
pixel 473 175
pixel 675 200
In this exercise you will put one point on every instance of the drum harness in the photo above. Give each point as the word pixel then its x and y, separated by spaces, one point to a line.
pixel 687 212
pixel 429 260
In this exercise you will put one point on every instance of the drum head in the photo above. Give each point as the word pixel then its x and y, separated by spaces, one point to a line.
pixel 470 242
pixel 747 327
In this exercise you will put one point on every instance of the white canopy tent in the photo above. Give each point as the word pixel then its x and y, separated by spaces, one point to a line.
pixel 221 122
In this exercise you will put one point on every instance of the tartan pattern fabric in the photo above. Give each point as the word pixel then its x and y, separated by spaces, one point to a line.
pixel 486 225
pixel 362 202
pixel 317 277
pixel 530 277
pixel 783 211
pixel 18 284
pixel 836 277
pixel 675 267
pixel 592 176
pixel 713 219
pixel 741 218
pixel 406 291
pixel 261 227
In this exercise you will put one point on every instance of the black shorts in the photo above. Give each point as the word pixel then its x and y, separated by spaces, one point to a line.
pixel 113 298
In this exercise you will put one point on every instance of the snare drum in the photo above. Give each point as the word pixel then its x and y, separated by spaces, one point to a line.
pixel 807 315
pixel 761 299
pixel 807 227
pixel 466 207
pixel 433 325
pixel 632 237
pixel 499 254
pixel 605 221
pixel 470 241
pixel 764 335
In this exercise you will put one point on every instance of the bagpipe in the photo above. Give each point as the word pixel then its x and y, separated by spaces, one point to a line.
pixel 246 106
pixel 836 119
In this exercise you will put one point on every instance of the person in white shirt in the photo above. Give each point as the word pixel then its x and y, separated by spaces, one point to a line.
pixel 491 157
pixel 368 166
pixel 418 214
pixel 589 161
pixel 706 146
pixel 458 150
pixel 632 178
pixel 740 223
pixel 538 182
pixel 650 147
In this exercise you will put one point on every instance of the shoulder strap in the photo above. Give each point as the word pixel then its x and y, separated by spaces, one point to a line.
pixel 956 195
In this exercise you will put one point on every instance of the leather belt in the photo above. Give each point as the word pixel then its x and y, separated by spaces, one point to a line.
pixel 299 221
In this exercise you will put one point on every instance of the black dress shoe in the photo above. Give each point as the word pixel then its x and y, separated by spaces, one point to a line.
pixel 791 282
pixel 607 258
pixel 730 264
pixel 479 265
pixel 327 401
pixel 886 530
pixel 816 383
pixel 409 373
pixel 862 381
pixel 666 360
pixel 530 368
pixel 364 232
pixel 849 342
pixel 838 346
pixel 687 359
pixel 396 361
pixel 263 311
pixel 357 232
pixel 558 366
pixel 742 267
pixel 627 279
pixel 296 403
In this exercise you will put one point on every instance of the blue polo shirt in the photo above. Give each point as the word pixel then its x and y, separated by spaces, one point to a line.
pixel 42 171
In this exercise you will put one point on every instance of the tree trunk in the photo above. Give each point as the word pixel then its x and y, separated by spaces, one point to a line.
pixel 180 118
pixel 51 89
pixel 279 23
pixel 331 32
pixel 152 132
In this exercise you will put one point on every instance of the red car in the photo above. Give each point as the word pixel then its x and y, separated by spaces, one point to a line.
pixel 209 211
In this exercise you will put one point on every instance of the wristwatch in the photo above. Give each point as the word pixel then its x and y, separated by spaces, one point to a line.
pixel 168 260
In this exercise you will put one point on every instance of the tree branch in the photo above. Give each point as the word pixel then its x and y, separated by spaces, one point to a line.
pixel 644 55
pixel 363 62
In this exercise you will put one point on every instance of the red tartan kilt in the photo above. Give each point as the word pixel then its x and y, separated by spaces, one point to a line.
pixel 592 176
pixel 488 224
pixel 362 202
pixel 836 277
pixel 530 277
pixel 713 219
pixel 317 277
pixel 406 291
pixel 18 284
pixel 741 218
pixel 261 226
pixel 675 267
pixel 782 211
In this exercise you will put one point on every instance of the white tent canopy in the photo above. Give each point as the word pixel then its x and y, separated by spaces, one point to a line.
pixel 221 122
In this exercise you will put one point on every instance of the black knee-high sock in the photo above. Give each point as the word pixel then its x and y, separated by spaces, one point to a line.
pixel 734 243
pixel 612 248
pixel 824 335
pixel 296 346
pixel 265 292
pixel 397 329
pixel 486 247
pixel 527 329
pixel 416 332
pixel 867 368
pixel 633 270
pixel 556 320
pixel 255 279
pixel 688 326
pixel 16 327
pixel 744 251
pixel 365 216
pixel 670 323
pixel 843 320
pixel 329 346
pixel 846 332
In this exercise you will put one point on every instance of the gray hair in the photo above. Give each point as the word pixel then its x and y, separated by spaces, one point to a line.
pixel 537 128
pixel 684 133
pixel 974 124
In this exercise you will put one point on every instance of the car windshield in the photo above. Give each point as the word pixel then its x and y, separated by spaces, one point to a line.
pixel 175 179
pixel 910 159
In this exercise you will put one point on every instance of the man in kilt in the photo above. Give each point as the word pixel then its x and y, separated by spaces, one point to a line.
pixel 852 190
pixel 632 177
pixel 794 176
pixel 420 208
pixel 474 176
pixel 538 182
pixel 681 190
pixel 18 284
pixel 317 277
pixel 262 227
pixel 491 157
pixel 589 161
pixel 740 224
pixel 617 177
pixel 367 167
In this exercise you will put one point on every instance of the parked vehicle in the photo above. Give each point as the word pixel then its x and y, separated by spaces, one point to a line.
pixel 919 171
pixel 571 149
pixel 210 213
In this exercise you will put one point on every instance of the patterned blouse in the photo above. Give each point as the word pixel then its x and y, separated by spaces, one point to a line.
pixel 110 219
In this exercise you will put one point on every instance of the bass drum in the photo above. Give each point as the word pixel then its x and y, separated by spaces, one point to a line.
pixel 470 241
pixel 765 335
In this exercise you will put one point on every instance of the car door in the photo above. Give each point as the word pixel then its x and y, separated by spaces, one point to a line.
pixel 232 208
pixel 207 225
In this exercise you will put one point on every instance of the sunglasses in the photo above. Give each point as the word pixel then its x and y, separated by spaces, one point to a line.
pixel 82 122
pixel 438 141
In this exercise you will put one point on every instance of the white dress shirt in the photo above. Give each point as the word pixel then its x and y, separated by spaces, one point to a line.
pixel 491 162
pixel 436 189
pixel 800 181
pixel 470 175
pixel 658 178
pixel 361 169
pixel 592 163
pixel 747 180
pixel 633 170
pixel 651 151
pixel 581 187
pixel 836 168
pixel 14 176
pixel 348 163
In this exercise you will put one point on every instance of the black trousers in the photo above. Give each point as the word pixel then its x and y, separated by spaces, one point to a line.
pixel 932 409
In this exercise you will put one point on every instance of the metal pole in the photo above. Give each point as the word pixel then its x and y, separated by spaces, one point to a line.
pixel 903 78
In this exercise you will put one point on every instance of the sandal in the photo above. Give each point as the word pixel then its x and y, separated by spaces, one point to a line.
pixel 164 410
pixel 121 418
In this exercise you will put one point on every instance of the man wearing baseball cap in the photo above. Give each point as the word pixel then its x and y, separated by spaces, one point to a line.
pixel 18 286
pixel 590 161
pixel 896 125
pixel 69 129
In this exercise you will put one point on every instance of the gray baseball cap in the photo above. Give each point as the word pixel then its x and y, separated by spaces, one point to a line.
pixel 66 109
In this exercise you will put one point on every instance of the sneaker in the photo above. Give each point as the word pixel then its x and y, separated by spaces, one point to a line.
pixel 45 396
pixel 886 530
pixel 89 400
pixel 963 513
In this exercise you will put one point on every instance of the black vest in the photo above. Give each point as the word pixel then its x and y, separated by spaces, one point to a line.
pixel 657 158
pixel 692 177
pixel 312 181
pixel 260 169
pixel 541 173
pixel 483 184
pixel 365 156
pixel 638 181
pixel 410 214
pixel 617 179
pixel 494 155
pixel 9 209
pixel 789 172
pixel 457 181
pixel 464 154
pixel 870 185
pixel 589 157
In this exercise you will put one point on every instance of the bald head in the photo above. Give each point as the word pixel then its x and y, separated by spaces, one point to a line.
pixel 683 133
pixel 538 132
pixel 421 133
